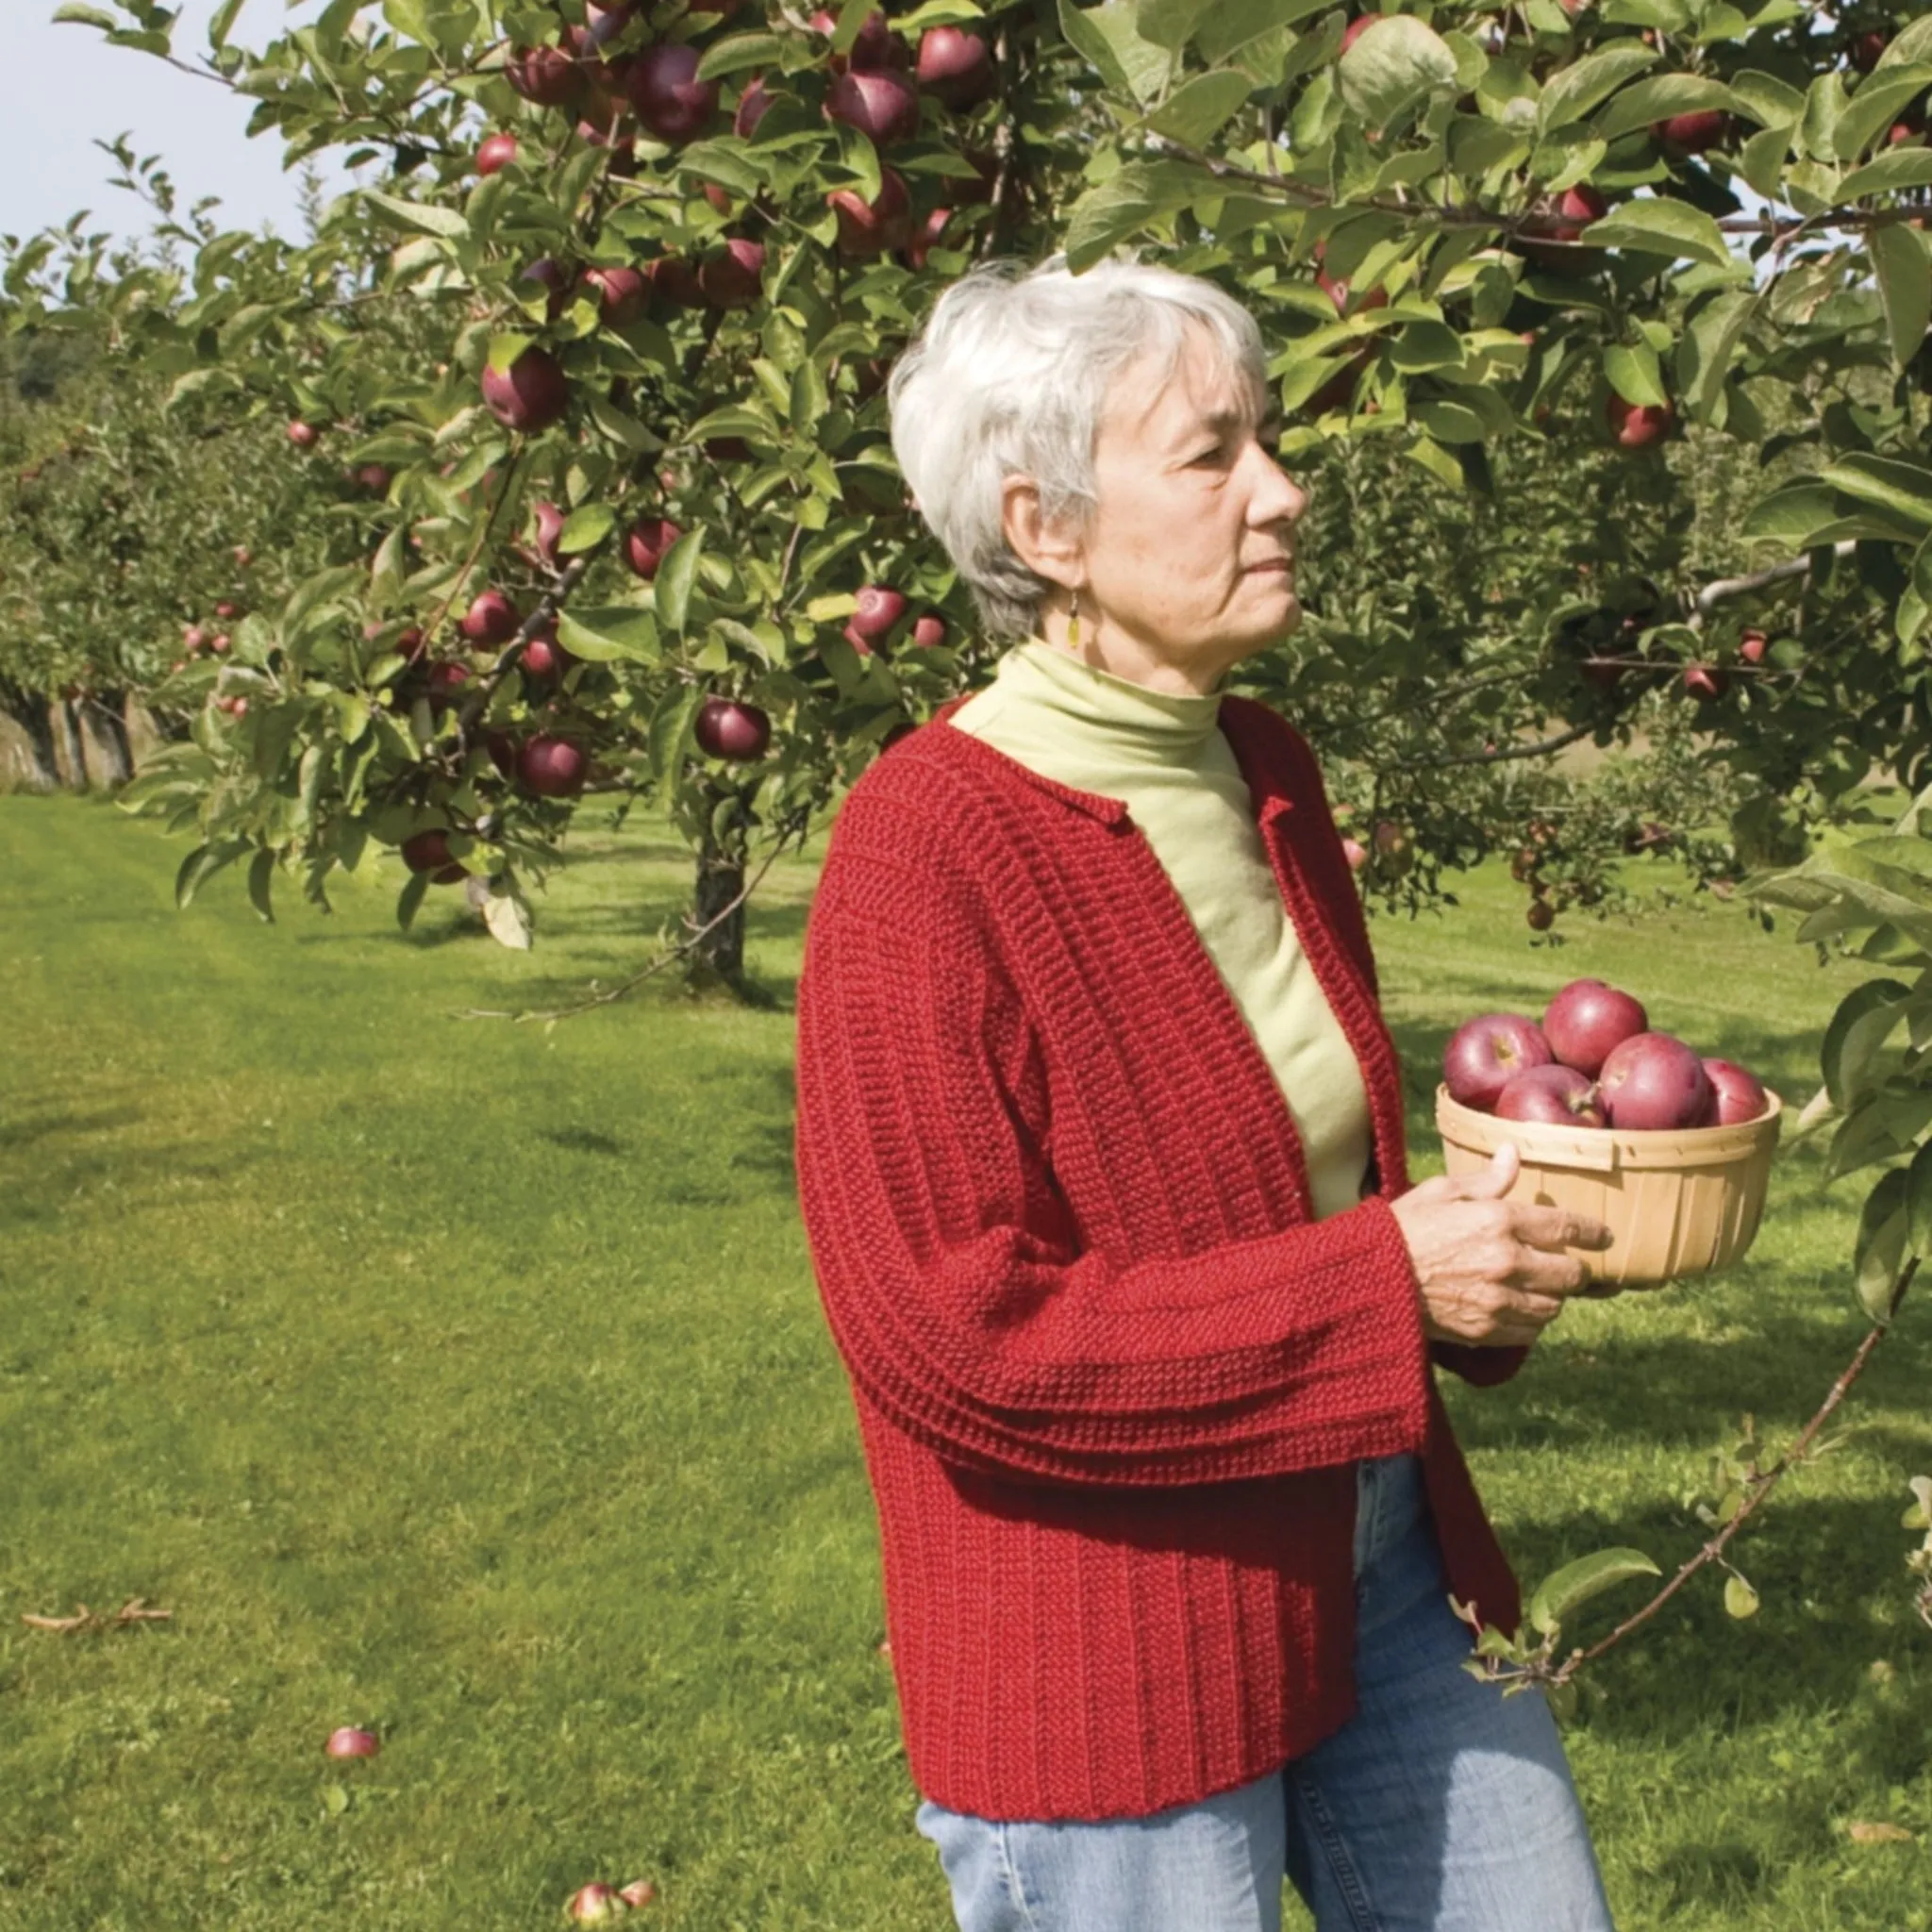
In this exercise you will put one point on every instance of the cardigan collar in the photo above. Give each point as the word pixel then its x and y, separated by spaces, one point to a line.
pixel 1242 722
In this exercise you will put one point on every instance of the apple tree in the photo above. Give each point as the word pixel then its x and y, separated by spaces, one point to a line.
pixel 1632 295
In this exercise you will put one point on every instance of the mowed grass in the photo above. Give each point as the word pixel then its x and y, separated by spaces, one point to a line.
pixel 468 1381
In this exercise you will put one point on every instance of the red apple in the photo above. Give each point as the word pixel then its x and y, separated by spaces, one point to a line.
pixel 219 643
pixel 1705 683
pixel 645 543
pixel 1355 853
pixel 638 1893
pixel 726 729
pixel 880 105
pixel 1576 208
pixel 1539 915
pixel 550 521
pixel 552 767
pixel 955 67
pixel 929 632
pixel 1560 1095
pixel 592 1904
pixel 1693 132
pixel 1357 27
pixel 876 47
pixel 372 477
pixel 491 619
pixel 496 152
pixel 546 75
pixel 753 104
pixel 675 280
pixel 543 656
pixel 227 611
pixel 929 235
pixel 1485 1052
pixel 1651 1082
pixel 1751 647
pixel 192 638
pixel 303 435
pixel 530 395
pixel 1867 50
pixel 669 97
pixel 880 607
pixel 444 680
pixel 733 278
pixel 429 851
pixel 1740 1094
pixel 621 292
pixel 351 1743
pixel 1587 1019
pixel 1639 425
pixel 548 272
pixel 869 227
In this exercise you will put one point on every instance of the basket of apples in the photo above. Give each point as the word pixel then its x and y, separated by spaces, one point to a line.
pixel 1673 1150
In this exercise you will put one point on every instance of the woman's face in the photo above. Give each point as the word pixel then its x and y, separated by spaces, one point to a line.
pixel 1189 552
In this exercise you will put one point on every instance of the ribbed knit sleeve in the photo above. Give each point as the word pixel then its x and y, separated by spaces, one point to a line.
pixel 948 1256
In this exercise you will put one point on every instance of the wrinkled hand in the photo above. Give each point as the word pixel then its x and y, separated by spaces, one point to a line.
pixel 1492 1272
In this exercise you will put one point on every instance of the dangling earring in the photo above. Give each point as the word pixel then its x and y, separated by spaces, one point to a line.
pixel 1074 621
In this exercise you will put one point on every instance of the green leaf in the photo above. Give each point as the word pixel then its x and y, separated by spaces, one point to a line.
pixel 425 217
pixel 506 913
pixel 675 575
pixel 1883 998
pixel 261 873
pixel 1905 286
pixel 72 11
pixel 1789 515
pixel 409 900
pixel 670 735
pixel 201 865
pixel 1884 483
pixel 1393 64
pixel 586 528
pixel 1904 167
pixel 1919 1200
pixel 1740 1600
pixel 618 632
pixel 1654 226
pixel 1661 96
pixel 736 52
pixel 1197 111
pixel 1574 90
pixel 1706 347
pixel 1575 1583
pixel 1631 370
pixel 1126 203
pixel 1883 1225
pixel 1108 39
pixel 1876 108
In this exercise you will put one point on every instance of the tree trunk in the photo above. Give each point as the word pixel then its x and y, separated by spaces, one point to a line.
pixel 73 743
pixel 721 879
pixel 110 732
pixel 30 713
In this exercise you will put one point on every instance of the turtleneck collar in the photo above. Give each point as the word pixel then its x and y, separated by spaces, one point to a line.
pixel 1116 711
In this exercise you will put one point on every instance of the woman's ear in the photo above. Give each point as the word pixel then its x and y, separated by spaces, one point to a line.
pixel 1049 549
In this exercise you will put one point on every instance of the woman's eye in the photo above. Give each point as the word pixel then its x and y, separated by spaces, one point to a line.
pixel 1208 457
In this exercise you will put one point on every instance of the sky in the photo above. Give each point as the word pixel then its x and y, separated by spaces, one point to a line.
pixel 67 87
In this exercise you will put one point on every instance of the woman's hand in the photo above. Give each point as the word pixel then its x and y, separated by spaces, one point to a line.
pixel 1492 1274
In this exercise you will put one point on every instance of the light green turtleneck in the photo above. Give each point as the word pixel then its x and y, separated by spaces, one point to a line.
pixel 1165 756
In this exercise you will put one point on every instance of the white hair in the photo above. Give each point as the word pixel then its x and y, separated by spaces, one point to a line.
pixel 1013 376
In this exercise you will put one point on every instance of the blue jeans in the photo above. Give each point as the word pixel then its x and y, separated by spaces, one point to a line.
pixel 1439 1807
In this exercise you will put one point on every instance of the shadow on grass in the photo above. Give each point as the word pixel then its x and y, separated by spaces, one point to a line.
pixel 26 1133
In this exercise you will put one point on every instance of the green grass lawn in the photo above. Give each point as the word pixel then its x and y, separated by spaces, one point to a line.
pixel 468 1381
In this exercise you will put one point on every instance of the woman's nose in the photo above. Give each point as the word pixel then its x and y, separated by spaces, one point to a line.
pixel 1277 498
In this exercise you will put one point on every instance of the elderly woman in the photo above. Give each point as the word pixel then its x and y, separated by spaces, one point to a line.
pixel 1100 1154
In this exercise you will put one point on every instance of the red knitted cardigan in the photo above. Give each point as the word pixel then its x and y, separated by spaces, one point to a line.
pixel 1112 1378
